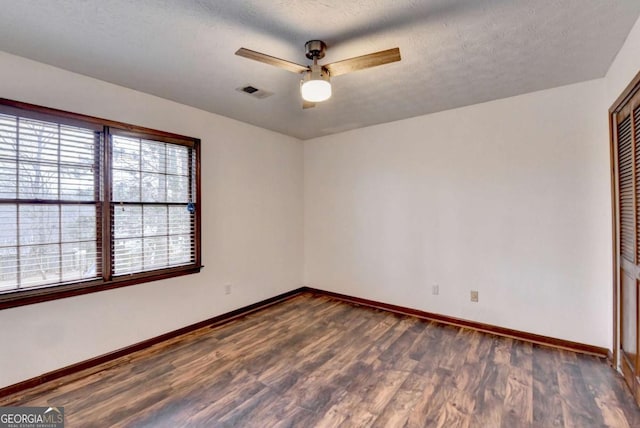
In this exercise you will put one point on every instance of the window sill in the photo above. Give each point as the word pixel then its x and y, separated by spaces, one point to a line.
pixel 44 294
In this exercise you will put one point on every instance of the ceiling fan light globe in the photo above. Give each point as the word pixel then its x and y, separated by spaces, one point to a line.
pixel 315 91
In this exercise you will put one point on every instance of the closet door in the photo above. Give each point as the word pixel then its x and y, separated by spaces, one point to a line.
pixel 626 150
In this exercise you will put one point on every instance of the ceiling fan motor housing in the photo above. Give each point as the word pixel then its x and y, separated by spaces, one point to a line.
pixel 316 72
pixel 315 49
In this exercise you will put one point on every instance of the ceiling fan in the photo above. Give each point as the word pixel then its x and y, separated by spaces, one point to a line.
pixel 315 85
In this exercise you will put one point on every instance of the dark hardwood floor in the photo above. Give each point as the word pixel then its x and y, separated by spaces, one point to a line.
pixel 316 362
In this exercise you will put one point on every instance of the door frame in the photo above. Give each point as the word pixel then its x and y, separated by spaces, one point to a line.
pixel 630 91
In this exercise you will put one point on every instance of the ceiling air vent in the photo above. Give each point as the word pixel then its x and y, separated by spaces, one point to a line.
pixel 254 92
pixel 250 89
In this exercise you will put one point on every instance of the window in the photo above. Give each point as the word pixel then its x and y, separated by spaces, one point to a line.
pixel 88 204
pixel 151 196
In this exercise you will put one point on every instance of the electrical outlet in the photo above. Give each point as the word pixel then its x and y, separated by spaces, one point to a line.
pixel 474 295
pixel 227 289
pixel 435 290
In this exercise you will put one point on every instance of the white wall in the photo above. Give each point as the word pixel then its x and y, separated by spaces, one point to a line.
pixel 252 228
pixel 625 66
pixel 510 198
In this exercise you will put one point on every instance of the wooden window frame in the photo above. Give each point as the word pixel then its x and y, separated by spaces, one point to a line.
pixel 107 281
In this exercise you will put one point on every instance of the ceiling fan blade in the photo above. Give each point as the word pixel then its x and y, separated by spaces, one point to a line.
pixel 307 104
pixel 362 62
pixel 271 60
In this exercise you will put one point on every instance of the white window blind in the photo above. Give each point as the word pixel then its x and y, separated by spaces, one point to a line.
pixel 49 203
pixel 153 190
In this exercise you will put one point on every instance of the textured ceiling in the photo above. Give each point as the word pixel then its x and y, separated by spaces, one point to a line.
pixel 454 52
